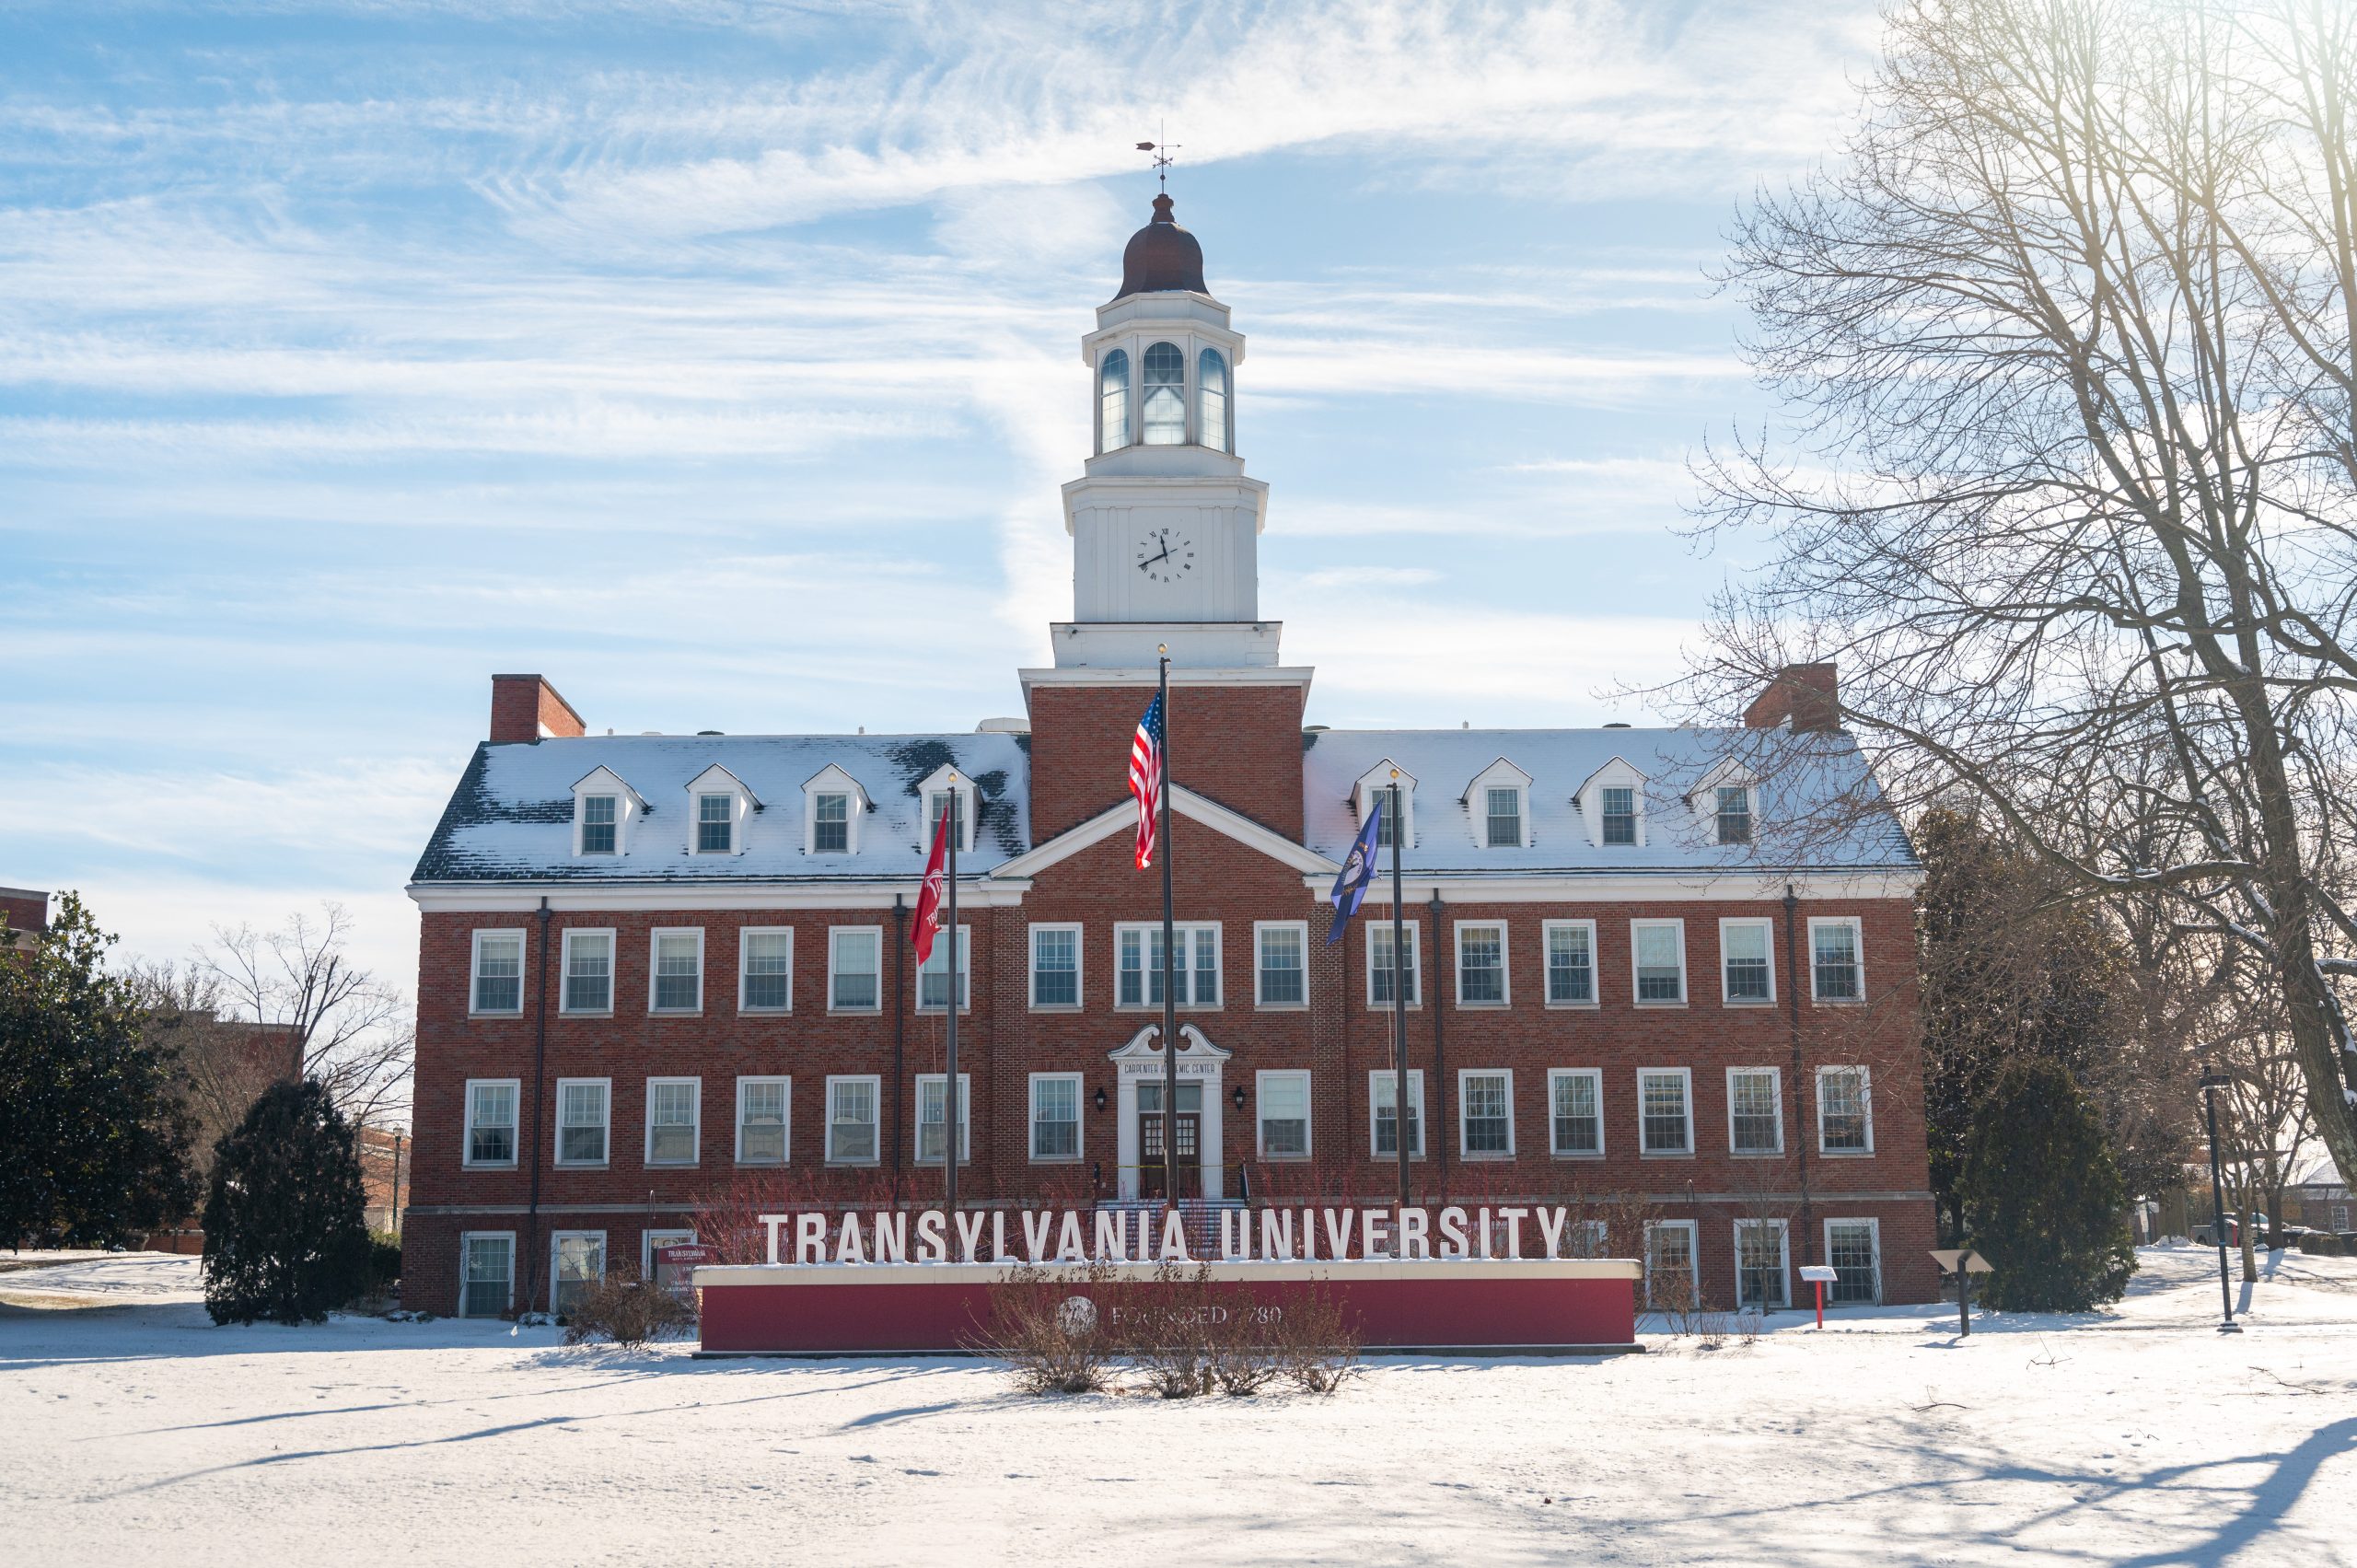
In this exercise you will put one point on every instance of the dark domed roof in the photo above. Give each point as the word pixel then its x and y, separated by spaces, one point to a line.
pixel 1162 258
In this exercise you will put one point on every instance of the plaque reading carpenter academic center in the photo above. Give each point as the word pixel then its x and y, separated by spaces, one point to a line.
pixel 667 982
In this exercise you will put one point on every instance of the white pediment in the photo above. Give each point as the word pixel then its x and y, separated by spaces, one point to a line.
pixel 1141 1054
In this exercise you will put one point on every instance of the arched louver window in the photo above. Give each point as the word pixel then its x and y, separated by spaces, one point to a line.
pixel 1211 400
pixel 1113 401
pixel 1164 408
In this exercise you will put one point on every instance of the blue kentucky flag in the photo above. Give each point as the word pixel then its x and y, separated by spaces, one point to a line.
pixel 1358 870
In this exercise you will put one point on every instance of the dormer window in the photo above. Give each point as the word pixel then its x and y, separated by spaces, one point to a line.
pixel 1163 411
pixel 1113 401
pixel 1620 815
pixel 936 802
pixel 1498 800
pixel 716 824
pixel 718 807
pixel 830 825
pixel 1734 814
pixel 1374 787
pixel 1505 819
pixel 1210 401
pixel 934 790
pixel 833 804
pixel 604 808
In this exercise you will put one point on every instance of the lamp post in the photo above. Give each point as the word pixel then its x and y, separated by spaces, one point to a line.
pixel 2211 1082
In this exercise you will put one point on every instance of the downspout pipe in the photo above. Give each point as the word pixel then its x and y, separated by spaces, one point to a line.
pixel 1435 1138
pixel 1801 1132
pixel 539 1110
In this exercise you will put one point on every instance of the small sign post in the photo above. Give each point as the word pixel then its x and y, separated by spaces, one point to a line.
pixel 1963 1262
pixel 1821 1275
pixel 683 1259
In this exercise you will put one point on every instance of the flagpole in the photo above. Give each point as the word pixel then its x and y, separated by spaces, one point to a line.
pixel 949 1107
pixel 1170 963
pixel 1398 998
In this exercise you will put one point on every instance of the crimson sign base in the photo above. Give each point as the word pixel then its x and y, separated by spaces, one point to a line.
pixel 1490 1307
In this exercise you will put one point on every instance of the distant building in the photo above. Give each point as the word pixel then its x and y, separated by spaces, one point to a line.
pixel 384 1173
pixel 26 909
pixel 652 965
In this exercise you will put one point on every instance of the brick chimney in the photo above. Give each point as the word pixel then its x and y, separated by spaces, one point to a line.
pixel 1809 696
pixel 526 707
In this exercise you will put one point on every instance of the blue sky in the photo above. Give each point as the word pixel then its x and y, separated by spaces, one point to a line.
pixel 719 359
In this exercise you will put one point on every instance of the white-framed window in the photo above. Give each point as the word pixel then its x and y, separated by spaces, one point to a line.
pixel 576 1261
pixel 765 969
pixel 1657 952
pixel 1162 406
pixel 1502 816
pixel 1055 1118
pixel 676 982
pixel 1210 401
pixel 1375 786
pixel 490 1121
pixel 1664 1110
pixel 486 1272
pixel 1762 1274
pixel 1585 1238
pixel 584 1115
pixel 1382 1112
pixel 1571 963
pixel 1673 1277
pixel 1836 971
pixel 1481 964
pixel 931 1095
pixel 830 823
pixel 852 1109
pixel 935 801
pixel 1732 817
pixel 601 824
pixel 855 968
pixel 674 1118
pixel 1485 1113
pixel 1845 1112
pixel 1055 968
pixel 1113 400
pixel 716 824
pixel 1617 807
pixel 764 1121
pixel 1281 963
pixel 1574 1112
pixel 662 1275
pixel 1747 963
pixel 498 972
pixel 1282 1102
pixel 1378 963
pixel 934 975
pixel 588 958
pixel 1853 1248
pixel 833 804
pixel 1137 980
pixel 1755 1110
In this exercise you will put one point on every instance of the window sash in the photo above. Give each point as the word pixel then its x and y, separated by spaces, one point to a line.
pixel 761 1122
pixel 499 972
pixel 589 971
pixel 1661 963
pixel 1670 1275
pixel 715 824
pixel 1760 1264
pixel 851 1121
pixel 1570 964
pixel 933 975
pixel 679 971
pixel 598 824
pixel 490 1273
pixel 1138 982
pixel 1486 1113
pixel 1664 1112
pixel 1755 1112
pixel 1162 408
pixel 1113 401
pixel 855 970
pixel 1379 964
pixel 1383 1098
pixel 671 1122
pixel 1833 946
pixel 830 825
pixel 580 1263
pixel 1283 972
pixel 1055 967
pixel 1504 812
pixel 768 972
pixel 1055 1118
pixel 1850 1246
pixel 1480 965
pixel 1620 816
pixel 1578 1119
pixel 1733 813
pixel 583 1123
pixel 1744 954
pixel 932 1097
pixel 491 1123
pixel 1844 1111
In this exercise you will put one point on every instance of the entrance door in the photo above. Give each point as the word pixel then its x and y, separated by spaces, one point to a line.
pixel 1151 1168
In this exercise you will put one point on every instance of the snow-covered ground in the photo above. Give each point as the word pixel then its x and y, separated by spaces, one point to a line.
pixel 132 1429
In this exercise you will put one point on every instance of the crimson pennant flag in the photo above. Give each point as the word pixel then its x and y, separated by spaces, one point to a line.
pixel 1145 777
pixel 928 919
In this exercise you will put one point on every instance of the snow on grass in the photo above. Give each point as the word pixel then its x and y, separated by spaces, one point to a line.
pixel 131 1427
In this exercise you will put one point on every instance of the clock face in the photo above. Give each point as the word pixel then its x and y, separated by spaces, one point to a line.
pixel 1164 555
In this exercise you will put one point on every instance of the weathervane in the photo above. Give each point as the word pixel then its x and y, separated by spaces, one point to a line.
pixel 1162 160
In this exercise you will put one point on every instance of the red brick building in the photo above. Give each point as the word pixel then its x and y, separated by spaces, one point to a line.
pixel 1663 977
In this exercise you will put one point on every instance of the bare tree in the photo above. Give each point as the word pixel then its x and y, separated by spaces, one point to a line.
pixel 2071 496
pixel 221 1064
pixel 355 1031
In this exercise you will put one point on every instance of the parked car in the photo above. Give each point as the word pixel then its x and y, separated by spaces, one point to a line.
pixel 2205 1233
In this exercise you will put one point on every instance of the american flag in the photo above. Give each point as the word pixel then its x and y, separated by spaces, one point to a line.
pixel 1145 777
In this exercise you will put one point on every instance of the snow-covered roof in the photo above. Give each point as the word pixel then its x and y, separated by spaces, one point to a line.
pixel 1673 763
pixel 511 816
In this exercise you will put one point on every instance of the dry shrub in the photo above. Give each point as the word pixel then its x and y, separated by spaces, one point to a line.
pixel 626 1309
pixel 1049 1325
pixel 1315 1349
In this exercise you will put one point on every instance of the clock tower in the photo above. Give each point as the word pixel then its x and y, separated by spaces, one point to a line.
pixel 1166 526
